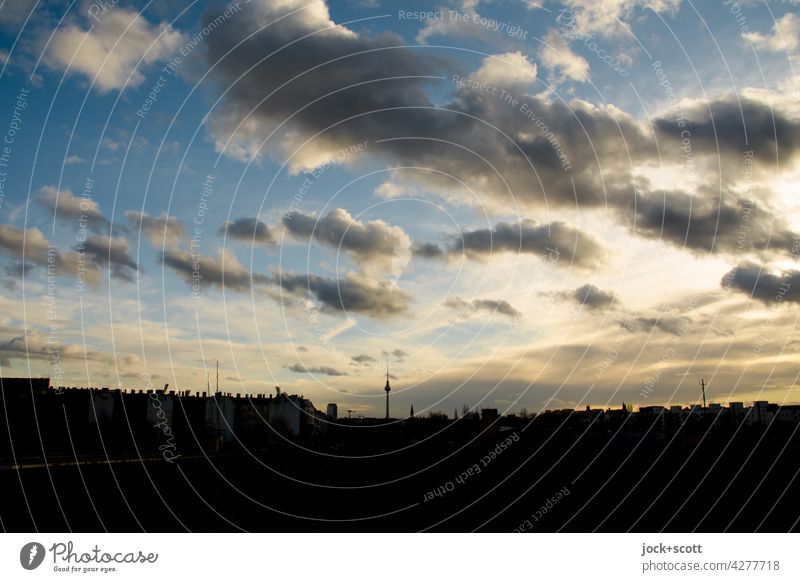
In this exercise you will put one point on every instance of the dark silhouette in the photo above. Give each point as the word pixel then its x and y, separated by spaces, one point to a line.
pixel 164 460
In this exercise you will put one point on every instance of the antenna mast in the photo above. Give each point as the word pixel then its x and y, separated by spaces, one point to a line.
pixel 387 388
pixel 217 376
pixel 703 387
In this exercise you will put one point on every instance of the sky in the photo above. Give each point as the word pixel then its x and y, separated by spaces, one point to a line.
pixel 511 204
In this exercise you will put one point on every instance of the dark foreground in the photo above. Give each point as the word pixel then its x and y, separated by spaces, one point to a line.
pixel 543 475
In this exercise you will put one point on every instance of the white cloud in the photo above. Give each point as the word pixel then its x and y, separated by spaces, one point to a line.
pixel 109 53
pixel 447 26
pixel 785 35
pixel 507 70
pixel 562 64
pixel 609 17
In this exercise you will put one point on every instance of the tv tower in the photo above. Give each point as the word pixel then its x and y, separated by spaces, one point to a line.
pixel 387 388
pixel 703 387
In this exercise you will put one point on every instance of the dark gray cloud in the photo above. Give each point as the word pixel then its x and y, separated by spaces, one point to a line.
pixel 729 126
pixel 301 369
pixel 493 306
pixel 162 231
pixel 15 272
pixel 428 250
pixel 79 211
pixel 549 153
pixel 362 359
pixel 31 344
pixel 554 153
pixel 397 353
pixel 226 272
pixel 352 293
pixel 29 246
pixel 18 269
pixel 594 298
pixel 757 282
pixel 110 253
pixel 248 229
pixel 386 97
pixel 702 225
pixel 374 241
pixel 251 77
pixel 24 244
pixel 674 324
pixel 556 242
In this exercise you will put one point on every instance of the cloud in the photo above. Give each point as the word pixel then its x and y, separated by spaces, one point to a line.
pixel 362 359
pixel 204 271
pixel 729 126
pixel 562 64
pixel 769 288
pixel 24 244
pixel 248 229
pixel 675 325
pixel 32 345
pixel 539 153
pixel 108 52
pixel 464 22
pixel 427 251
pixel 508 70
pixel 449 26
pixel 354 293
pixel 556 242
pixel 240 124
pixel 706 226
pixel 70 208
pixel 15 271
pixel 29 248
pixel 70 160
pixel 594 298
pixel 785 35
pixel 493 306
pixel 162 231
pixel 608 17
pixel 110 253
pixel 301 369
pixel 371 243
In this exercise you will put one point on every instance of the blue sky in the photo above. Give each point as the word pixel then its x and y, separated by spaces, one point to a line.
pixel 490 249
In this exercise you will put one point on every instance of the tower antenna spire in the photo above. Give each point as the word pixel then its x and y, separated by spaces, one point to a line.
pixel 703 387
pixel 387 388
